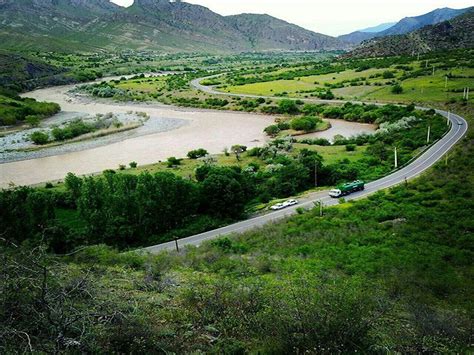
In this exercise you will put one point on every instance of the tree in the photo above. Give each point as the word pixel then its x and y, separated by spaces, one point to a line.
pixel 238 150
pixel 223 193
pixel 397 89
pixel 288 106
pixel 73 184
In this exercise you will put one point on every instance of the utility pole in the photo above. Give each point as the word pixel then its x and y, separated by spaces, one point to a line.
pixel 433 70
pixel 446 83
pixel 396 158
pixel 316 173
pixel 177 246
pixel 320 208
pixel 429 134
pixel 449 118
pixel 426 64
pixel 418 56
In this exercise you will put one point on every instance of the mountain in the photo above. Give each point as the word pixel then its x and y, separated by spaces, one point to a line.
pixel 378 28
pixel 406 25
pixel 453 34
pixel 409 24
pixel 91 25
pixel 264 31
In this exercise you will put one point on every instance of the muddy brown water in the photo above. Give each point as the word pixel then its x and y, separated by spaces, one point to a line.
pixel 211 130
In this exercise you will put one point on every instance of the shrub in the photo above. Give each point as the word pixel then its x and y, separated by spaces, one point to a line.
pixel 122 167
pixel 133 164
pixel 283 126
pixel 272 130
pixel 173 161
pixel 32 120
pixel 39 137
pixel 388 75
pixel 350 147
pixel 198 153
pixel 306 123
pixel 397 89
pixel 288 107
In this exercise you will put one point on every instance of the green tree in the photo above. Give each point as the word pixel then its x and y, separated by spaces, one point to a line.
pixel 238 150
pixel 288 107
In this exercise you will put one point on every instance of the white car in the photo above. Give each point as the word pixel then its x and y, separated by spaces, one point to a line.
pixel 290 203
pixel 278 206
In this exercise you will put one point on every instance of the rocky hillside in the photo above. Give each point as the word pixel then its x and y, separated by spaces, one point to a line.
pixel 264 31
pixel 71 25
pixel 452 34
pixel 406 25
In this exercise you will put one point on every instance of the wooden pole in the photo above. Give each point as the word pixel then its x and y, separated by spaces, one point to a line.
pixel 177 246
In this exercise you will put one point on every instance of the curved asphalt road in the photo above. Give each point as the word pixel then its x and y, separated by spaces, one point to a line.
pixel 415 168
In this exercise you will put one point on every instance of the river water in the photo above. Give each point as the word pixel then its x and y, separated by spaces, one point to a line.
pixel 189 129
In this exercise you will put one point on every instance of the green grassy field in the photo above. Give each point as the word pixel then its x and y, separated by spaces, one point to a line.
pixel 300 84
pixel 428 88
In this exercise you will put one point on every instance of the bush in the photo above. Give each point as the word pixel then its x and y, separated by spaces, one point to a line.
pixel 350 147
pixel 283 126
pixel 388 75
pixel 198 153
pixel 272 130
pixel 288 107
pixel 397 89
pixel 133 164
pixel 172 161
pixel 39 137
pixel 306 123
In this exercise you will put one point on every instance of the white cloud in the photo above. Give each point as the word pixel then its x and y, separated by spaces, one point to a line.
pixel 333 17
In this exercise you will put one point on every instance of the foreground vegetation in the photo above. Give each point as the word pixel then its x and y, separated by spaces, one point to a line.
pixel 389 273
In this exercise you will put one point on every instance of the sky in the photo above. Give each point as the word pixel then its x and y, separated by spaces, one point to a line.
pixel 332 17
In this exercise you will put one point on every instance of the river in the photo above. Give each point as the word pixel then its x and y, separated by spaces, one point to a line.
pixel 208 129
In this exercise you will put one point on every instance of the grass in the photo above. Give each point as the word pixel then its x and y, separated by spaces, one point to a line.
pixel 300 84
pixel 335 153
pixel 426 88
pixel 421 89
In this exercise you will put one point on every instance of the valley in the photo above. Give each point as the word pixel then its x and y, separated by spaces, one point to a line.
pixel 177 179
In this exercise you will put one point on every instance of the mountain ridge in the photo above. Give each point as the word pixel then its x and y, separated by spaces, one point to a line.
pixel 406 25
pixel 447 35
pixel 71 25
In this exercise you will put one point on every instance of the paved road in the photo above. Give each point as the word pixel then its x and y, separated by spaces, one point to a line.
pixel 415 168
